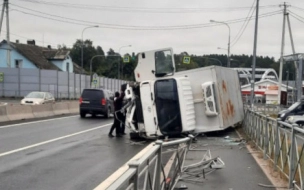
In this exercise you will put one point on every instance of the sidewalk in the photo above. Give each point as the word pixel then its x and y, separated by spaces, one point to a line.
pixel 241 171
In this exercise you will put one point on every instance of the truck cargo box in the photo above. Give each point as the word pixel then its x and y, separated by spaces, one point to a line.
pixel 217 97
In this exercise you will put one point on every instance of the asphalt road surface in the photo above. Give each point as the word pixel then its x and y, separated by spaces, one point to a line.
pixel 61 153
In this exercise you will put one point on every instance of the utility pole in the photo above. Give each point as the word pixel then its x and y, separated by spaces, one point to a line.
pixel 287 87
pixel 293 48
pixel 282 54
pixel 254 55
pixel 6 10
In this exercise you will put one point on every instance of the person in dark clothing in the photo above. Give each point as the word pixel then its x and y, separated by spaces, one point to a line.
pixel 123 115
pixel 117 115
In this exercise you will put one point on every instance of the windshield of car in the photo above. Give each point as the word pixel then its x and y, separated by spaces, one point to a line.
pixel 92 94
pixel 39 95
pixel 293 106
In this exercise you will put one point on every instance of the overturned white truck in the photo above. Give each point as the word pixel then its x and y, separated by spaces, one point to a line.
pixel 163 102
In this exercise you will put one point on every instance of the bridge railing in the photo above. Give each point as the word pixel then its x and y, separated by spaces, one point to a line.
pixel 280 142
pixel 159 168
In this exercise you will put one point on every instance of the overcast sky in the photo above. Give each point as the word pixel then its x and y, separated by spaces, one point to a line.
pixel 147 25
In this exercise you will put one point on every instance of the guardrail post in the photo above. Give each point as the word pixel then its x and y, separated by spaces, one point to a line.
pixel 158 167
pixel 292 164
pixel 186 151
pixel 135 164
pixel 266 139
pixel 277 144
pixel 250 123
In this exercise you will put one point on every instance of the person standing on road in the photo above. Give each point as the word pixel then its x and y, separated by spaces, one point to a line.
pixel 123 115
pixel 117 115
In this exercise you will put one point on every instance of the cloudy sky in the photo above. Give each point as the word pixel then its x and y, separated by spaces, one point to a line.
pixel 154 24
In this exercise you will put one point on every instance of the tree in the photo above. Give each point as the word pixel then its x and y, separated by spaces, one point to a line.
pixel 88 52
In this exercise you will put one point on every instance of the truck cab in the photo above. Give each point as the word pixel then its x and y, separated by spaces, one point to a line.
pixel 163 102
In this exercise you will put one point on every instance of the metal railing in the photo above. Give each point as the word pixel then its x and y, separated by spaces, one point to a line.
pixel 280 142
pixel 150 170
pixel 267 109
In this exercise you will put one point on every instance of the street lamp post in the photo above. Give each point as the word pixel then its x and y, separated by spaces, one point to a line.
pixel 236 61
pixel 82 44
pixel 91 61
pixel 222 48
pixel 118 72
pixel 228 62
pixel 82 54
pixel 216 60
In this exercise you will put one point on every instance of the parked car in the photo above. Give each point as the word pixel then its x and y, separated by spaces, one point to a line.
pixel 37 98
pixel 295 109
pixel 96 101
pixel 296 119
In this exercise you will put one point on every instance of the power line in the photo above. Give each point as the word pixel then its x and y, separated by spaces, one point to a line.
pixel 82 21
pixel 296 17
pixel 140 9
pixel 296 14
pixel 298 8
pixel 244 26
pixel 129 27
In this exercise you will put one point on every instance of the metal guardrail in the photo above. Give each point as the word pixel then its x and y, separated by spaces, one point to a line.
pixel 150 172
pixel 280 142
pixel 266 108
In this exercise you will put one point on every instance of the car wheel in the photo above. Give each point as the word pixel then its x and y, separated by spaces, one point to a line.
pixel 82 114
pixel 107 115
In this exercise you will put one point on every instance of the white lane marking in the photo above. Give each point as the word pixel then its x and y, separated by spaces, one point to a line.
pixel 32 122
pixel 52 140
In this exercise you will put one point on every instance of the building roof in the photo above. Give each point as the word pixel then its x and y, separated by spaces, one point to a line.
pixel 55 54
pixel 34 54
pixel 78 69
pixel 42 57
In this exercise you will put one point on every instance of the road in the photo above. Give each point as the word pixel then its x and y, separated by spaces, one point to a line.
pixel 60 153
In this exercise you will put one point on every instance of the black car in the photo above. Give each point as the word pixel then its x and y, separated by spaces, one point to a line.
pixel 295 109
pixel 95 102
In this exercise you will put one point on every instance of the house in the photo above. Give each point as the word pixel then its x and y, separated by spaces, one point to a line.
pixel 266 91
pixel 32 56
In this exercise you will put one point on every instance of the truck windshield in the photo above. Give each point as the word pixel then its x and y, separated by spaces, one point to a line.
pixel 167 106
pixel 163 63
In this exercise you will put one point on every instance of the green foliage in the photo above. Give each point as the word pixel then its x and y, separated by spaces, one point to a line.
pixel 107 64
pixel 103 65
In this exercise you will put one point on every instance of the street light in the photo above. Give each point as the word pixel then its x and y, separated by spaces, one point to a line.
pixel 235 60
pixel 91 61
pixel 82 44
pixel 82 54
pixel 216 60
pixel 228 63
pixel 222 48
pixel 119 61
